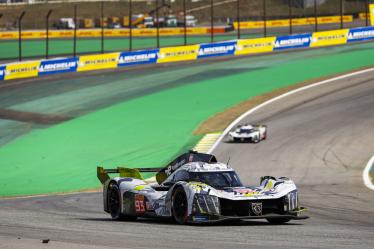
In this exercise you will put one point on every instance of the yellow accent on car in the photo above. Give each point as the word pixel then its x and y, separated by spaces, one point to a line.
pixel 132 173
pixel 139 187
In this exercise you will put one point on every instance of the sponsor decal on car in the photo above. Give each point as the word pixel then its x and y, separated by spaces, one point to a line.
pixel 58 66
pixel 148 206
pixel 293 41
pixel 139 204
pixel 200 218
pixel 361 34
pixel 256 208
pixel 138 57
pixel 216 49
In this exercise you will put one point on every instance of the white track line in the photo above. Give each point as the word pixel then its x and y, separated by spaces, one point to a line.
pixel 366 176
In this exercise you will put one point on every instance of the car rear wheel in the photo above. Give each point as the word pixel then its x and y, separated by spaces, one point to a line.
pixel 179 205
pixel 114 204
pixel 278 221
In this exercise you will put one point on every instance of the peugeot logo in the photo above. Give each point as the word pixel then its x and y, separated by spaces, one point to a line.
pixel 257 208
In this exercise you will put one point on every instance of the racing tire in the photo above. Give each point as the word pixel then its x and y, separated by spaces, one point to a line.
pixel 255 140
pixel 278 221
pixel 179 205
pixel 114 204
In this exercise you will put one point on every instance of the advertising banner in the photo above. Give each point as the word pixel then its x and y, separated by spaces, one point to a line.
pixel 361 34
pixel 21 70
pixel 94 62
pixel 58 66
pixel 292 41
pixel 371 8
pixel 216 49
pixel 328 38
pixel 138 57
pixel 295 22
pixel 182 53
pixel 2 71
pixel 40 34
pixel 253 46
pixel 8 35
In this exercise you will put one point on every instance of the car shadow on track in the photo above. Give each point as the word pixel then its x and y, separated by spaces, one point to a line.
pixel 169 222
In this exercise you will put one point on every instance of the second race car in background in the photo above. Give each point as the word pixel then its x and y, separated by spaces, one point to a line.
pixel 249 133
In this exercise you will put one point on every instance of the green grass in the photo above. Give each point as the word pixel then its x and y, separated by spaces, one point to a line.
pixel 149 130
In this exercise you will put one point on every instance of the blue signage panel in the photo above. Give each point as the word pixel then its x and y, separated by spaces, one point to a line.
pixel 58 66
pixel 292 41
pixel 138 57
pixel 216 49
pixel 361 34
pixel 2 71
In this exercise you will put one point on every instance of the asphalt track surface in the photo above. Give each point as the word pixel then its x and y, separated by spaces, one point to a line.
pixel 321 138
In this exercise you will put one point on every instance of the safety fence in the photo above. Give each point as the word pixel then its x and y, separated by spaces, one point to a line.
pixel 89 33
pixel 184 53
pixel 145 32
pixel 64 28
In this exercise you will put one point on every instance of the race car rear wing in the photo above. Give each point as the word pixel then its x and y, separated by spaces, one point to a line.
pixel 161 173
pixel 103 174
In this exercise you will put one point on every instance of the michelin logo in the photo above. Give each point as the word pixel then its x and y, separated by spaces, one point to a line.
pixel 295 41
pixel 224 48
pixel 360 34
pixel 216 50
pixel 136 58
pixel 57 67
pixel 292 42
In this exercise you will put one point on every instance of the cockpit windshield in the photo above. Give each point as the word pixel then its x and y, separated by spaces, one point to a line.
pixel 217 180
pixel 245 130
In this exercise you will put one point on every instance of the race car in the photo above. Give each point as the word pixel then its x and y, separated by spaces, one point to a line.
pixel 249 133
pixel 195 188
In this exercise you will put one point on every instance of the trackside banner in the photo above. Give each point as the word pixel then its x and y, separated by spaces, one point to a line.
pixel 58 66
pixel 2 72
pixel 138 57
pixel 253 46
pixel 100 61
pixel 328 38
pixel 22 70
pixel 216 49
pixel 293 41
pixel 182 53
pixel 361 34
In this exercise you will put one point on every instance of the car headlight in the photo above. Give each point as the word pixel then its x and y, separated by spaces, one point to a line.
pixel 290 201
pixel 205 204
